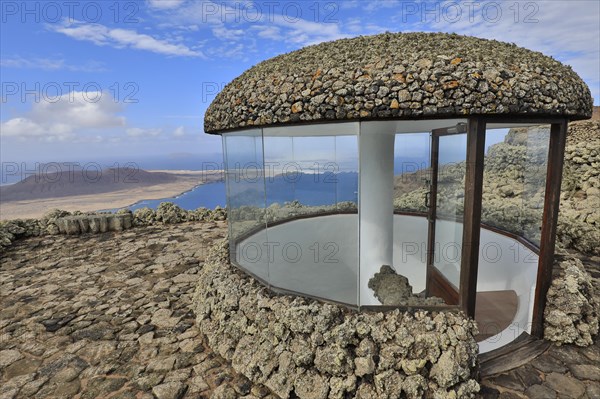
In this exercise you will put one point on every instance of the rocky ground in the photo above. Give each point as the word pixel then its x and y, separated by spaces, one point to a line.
pixel 561 372
pixel 109 316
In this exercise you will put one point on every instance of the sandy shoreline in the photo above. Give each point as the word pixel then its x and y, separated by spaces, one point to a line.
pixel 187 180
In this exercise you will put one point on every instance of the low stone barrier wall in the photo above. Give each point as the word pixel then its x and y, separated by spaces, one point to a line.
pixel 62 222
pixel 99 223
pixel 304 348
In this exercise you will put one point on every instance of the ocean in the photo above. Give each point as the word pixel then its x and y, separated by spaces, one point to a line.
pixel 307 189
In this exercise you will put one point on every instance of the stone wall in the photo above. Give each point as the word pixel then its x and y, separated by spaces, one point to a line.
pixel 303 348
pixel 98 223
pixel 579 218
pixel 63 222
pixel 573 304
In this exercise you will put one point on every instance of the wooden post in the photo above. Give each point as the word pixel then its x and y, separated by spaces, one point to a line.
pixel 431 212
pixel 472 215
pixel 556 151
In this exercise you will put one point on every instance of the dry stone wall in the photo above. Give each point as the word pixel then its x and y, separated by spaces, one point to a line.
pixel 303 348
pixel 573 305
pixel 63 222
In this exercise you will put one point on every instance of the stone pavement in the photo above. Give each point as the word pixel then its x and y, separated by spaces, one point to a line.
pixel 108 316
pixel 564 371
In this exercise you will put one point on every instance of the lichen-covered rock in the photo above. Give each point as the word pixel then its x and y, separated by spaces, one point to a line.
pixel 579 219
pixel 94 223
pixel 11 230
pixel 393 289
pixel 390 287
pixel 144 217
pixel 168 213
pixel 310 349
pixel 573 306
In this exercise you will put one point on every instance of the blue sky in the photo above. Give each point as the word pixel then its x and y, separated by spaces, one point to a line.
pixel 103 80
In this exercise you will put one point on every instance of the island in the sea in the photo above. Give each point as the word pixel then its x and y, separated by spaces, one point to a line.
pixel 112 188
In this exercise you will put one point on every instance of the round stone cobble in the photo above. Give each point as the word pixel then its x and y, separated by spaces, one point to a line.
pixel 109 315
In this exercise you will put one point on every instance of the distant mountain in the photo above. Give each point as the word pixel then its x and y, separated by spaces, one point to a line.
pixel 82 182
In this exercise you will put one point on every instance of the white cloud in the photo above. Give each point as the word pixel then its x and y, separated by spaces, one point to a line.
pixel 22 127
pixel 62 118
pixel 238 21
pixel 49 64
pixel 268 32
pixel 238 51
pixel 122 38
pixel 164 4
pixel 376 5
pixel 221 32
pixel 304 32
pixel 179 132
pixel 358 26
pixel 139 132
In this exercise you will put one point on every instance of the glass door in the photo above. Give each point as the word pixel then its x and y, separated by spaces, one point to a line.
pixel 445 204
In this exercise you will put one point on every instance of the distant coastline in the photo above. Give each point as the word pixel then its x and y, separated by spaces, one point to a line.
pixel 190 199
pixel 120 197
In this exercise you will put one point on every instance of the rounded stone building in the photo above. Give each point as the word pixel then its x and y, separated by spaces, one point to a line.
pixel 378 174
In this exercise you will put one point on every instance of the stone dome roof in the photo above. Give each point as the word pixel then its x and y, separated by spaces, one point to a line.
pixel 399 76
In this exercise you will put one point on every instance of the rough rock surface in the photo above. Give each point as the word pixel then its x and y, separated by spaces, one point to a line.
pixel 296 346
pixel 402 76
pixel 573 305
pixel 393 289
pixel 109 316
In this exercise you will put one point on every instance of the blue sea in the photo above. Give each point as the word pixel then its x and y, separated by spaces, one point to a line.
pixel 307 189
pixel 205 195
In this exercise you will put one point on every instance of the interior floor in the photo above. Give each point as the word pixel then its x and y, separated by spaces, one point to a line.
pixel 494 312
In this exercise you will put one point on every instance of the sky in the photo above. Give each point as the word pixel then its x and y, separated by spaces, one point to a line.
pixel 124 80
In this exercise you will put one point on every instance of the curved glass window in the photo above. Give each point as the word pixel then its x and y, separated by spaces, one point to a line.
pixel 296 224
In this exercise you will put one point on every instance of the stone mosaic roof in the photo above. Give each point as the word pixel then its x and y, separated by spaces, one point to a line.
pixel 399 76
